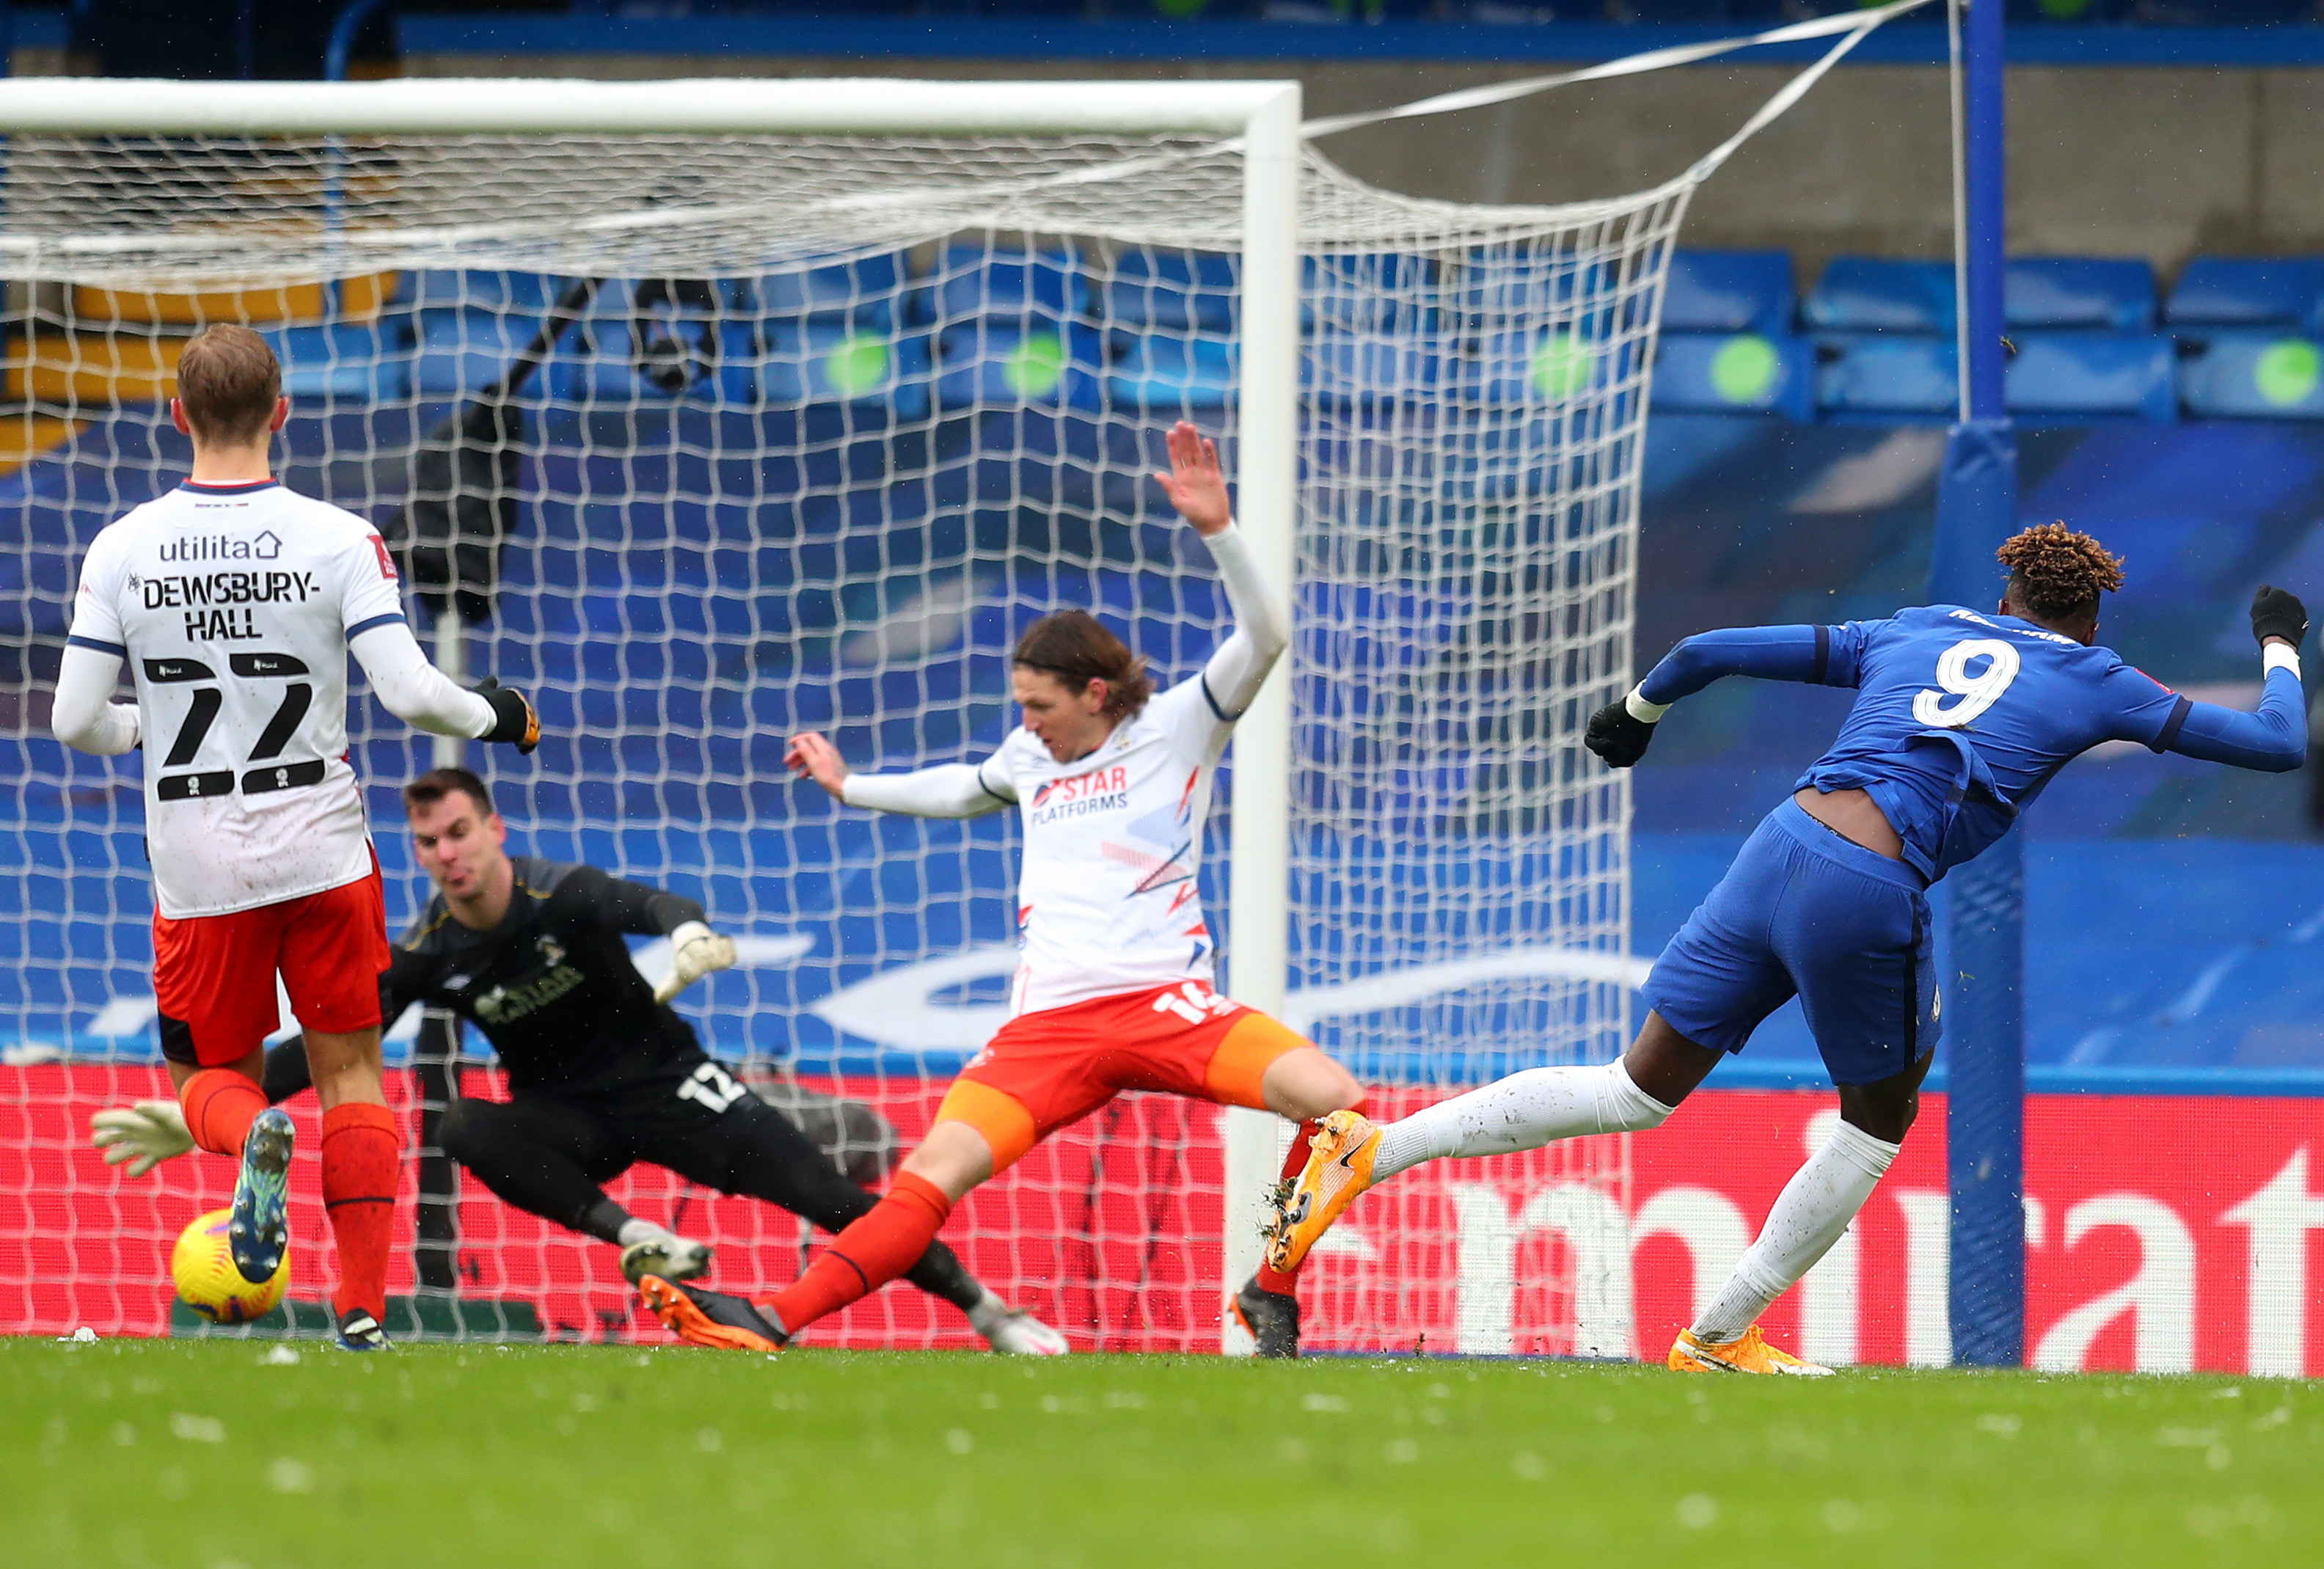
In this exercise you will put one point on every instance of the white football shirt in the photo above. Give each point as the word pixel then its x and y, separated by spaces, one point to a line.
pixel 1110 898
pixel 233 605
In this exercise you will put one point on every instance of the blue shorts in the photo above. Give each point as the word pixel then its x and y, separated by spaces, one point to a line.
pixel 1804 911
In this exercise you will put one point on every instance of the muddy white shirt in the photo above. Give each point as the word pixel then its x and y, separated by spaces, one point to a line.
pixel 234 607
pixel 1109 899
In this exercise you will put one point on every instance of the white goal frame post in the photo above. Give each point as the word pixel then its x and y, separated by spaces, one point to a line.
pixel 1264 114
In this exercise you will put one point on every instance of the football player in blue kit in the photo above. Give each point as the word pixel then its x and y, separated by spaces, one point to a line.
pixel 1960 719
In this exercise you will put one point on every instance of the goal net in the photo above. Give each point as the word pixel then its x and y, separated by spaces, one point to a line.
pixel 703 441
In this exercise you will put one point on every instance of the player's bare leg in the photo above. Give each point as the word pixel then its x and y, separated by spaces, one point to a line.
pixel 360 1145
pixel 1351 1153
pixel 1810 1214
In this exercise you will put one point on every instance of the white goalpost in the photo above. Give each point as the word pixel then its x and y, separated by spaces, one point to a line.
pixel 704 412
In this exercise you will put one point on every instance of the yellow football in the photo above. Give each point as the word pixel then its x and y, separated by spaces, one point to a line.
pixel 202 1265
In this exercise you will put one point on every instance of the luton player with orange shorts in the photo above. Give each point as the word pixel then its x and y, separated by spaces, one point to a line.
pixel 1114 991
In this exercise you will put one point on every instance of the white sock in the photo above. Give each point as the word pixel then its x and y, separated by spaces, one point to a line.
pixel 1810 1215
pixel 1523 1111
pixel 989 1311
pixel 635 1231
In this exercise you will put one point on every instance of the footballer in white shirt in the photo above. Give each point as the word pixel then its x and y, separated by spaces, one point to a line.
pixel 234 603
pixel 1114 991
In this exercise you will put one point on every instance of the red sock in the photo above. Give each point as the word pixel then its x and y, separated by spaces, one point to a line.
pixel 867 1255
pixel 220 1104
pixel 1294 1161
pixel 360 1147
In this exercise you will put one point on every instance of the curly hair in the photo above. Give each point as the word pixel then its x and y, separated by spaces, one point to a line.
pixel 2054 571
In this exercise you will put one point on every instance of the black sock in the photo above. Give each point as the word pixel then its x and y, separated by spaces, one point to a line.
pixel 604 1221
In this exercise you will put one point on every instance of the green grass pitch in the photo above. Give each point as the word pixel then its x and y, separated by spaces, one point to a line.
pixel 207 1455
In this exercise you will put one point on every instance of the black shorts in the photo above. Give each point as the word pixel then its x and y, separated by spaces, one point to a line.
pixel 688 1114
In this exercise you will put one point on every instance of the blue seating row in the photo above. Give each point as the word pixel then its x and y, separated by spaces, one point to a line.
pixel 1874 339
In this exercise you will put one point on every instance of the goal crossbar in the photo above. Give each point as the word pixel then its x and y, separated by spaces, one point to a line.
pixel 722 105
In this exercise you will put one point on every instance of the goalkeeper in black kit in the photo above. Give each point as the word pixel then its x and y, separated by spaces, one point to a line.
pixel 602 1073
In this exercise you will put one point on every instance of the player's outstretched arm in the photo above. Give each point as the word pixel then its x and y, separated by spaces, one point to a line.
pixel 1197 487
pixel 952 789
pixel 421 694
pixel 1620 731
pixel 84 716
pixel 2272 738
pixel 593 898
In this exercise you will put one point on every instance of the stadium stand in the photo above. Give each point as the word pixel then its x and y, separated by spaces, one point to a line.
pixel 2247 329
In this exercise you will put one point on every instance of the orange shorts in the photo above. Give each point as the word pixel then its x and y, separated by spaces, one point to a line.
pixel 1044 1070
pixel 214 974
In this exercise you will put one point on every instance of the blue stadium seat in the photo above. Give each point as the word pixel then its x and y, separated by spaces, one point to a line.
pixel 1550 365
pixel 2108 294
pixel 974 283
pixel 1500 284
pixel 1904 376
pixel 462 350
pixel 1729 291
pixel 1881 295
pixel 828 363
pixel 995 363
pixel 1164 373
pixel 864 290
pixel 369 361
pixel 1366 371
pixel 1736 372
pixel 1380 292
pixel 1172 291
pixel 522 293
pixel 2247 375
pixel 2249 291
pixel 2064 375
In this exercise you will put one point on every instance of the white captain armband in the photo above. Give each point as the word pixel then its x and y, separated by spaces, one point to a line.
pixel 1646 713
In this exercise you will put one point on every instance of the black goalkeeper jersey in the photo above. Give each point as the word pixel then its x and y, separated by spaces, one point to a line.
pixel 552 986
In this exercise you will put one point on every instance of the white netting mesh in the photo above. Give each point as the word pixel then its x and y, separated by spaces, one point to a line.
pixel 837 418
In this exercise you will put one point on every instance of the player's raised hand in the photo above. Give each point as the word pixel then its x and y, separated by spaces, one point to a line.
pixel 141 1136
pixel 810 756
pixel 1197 485
pixel 695 951
pixel 1618 736
pixel 2278 612
pixel 513 720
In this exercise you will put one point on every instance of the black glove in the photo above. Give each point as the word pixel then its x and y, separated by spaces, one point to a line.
pixel 513 719
pixel 2278 612
pixel 1618 736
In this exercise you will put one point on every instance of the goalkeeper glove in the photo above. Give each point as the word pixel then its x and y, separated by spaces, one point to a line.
pixel 1619 735
pixel 144 1135
pixel 2278 612
pixel 695 951
pixel 513 719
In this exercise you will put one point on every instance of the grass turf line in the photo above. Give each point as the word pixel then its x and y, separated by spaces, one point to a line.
pixel 203 1454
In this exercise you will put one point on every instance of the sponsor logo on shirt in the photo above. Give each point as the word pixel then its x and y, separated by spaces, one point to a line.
pixel 1099 789
pixel 266 547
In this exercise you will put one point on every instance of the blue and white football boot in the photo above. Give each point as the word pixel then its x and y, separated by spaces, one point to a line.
pixel 259 1232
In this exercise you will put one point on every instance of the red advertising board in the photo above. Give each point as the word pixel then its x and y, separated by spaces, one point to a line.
pixel 2163 1234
